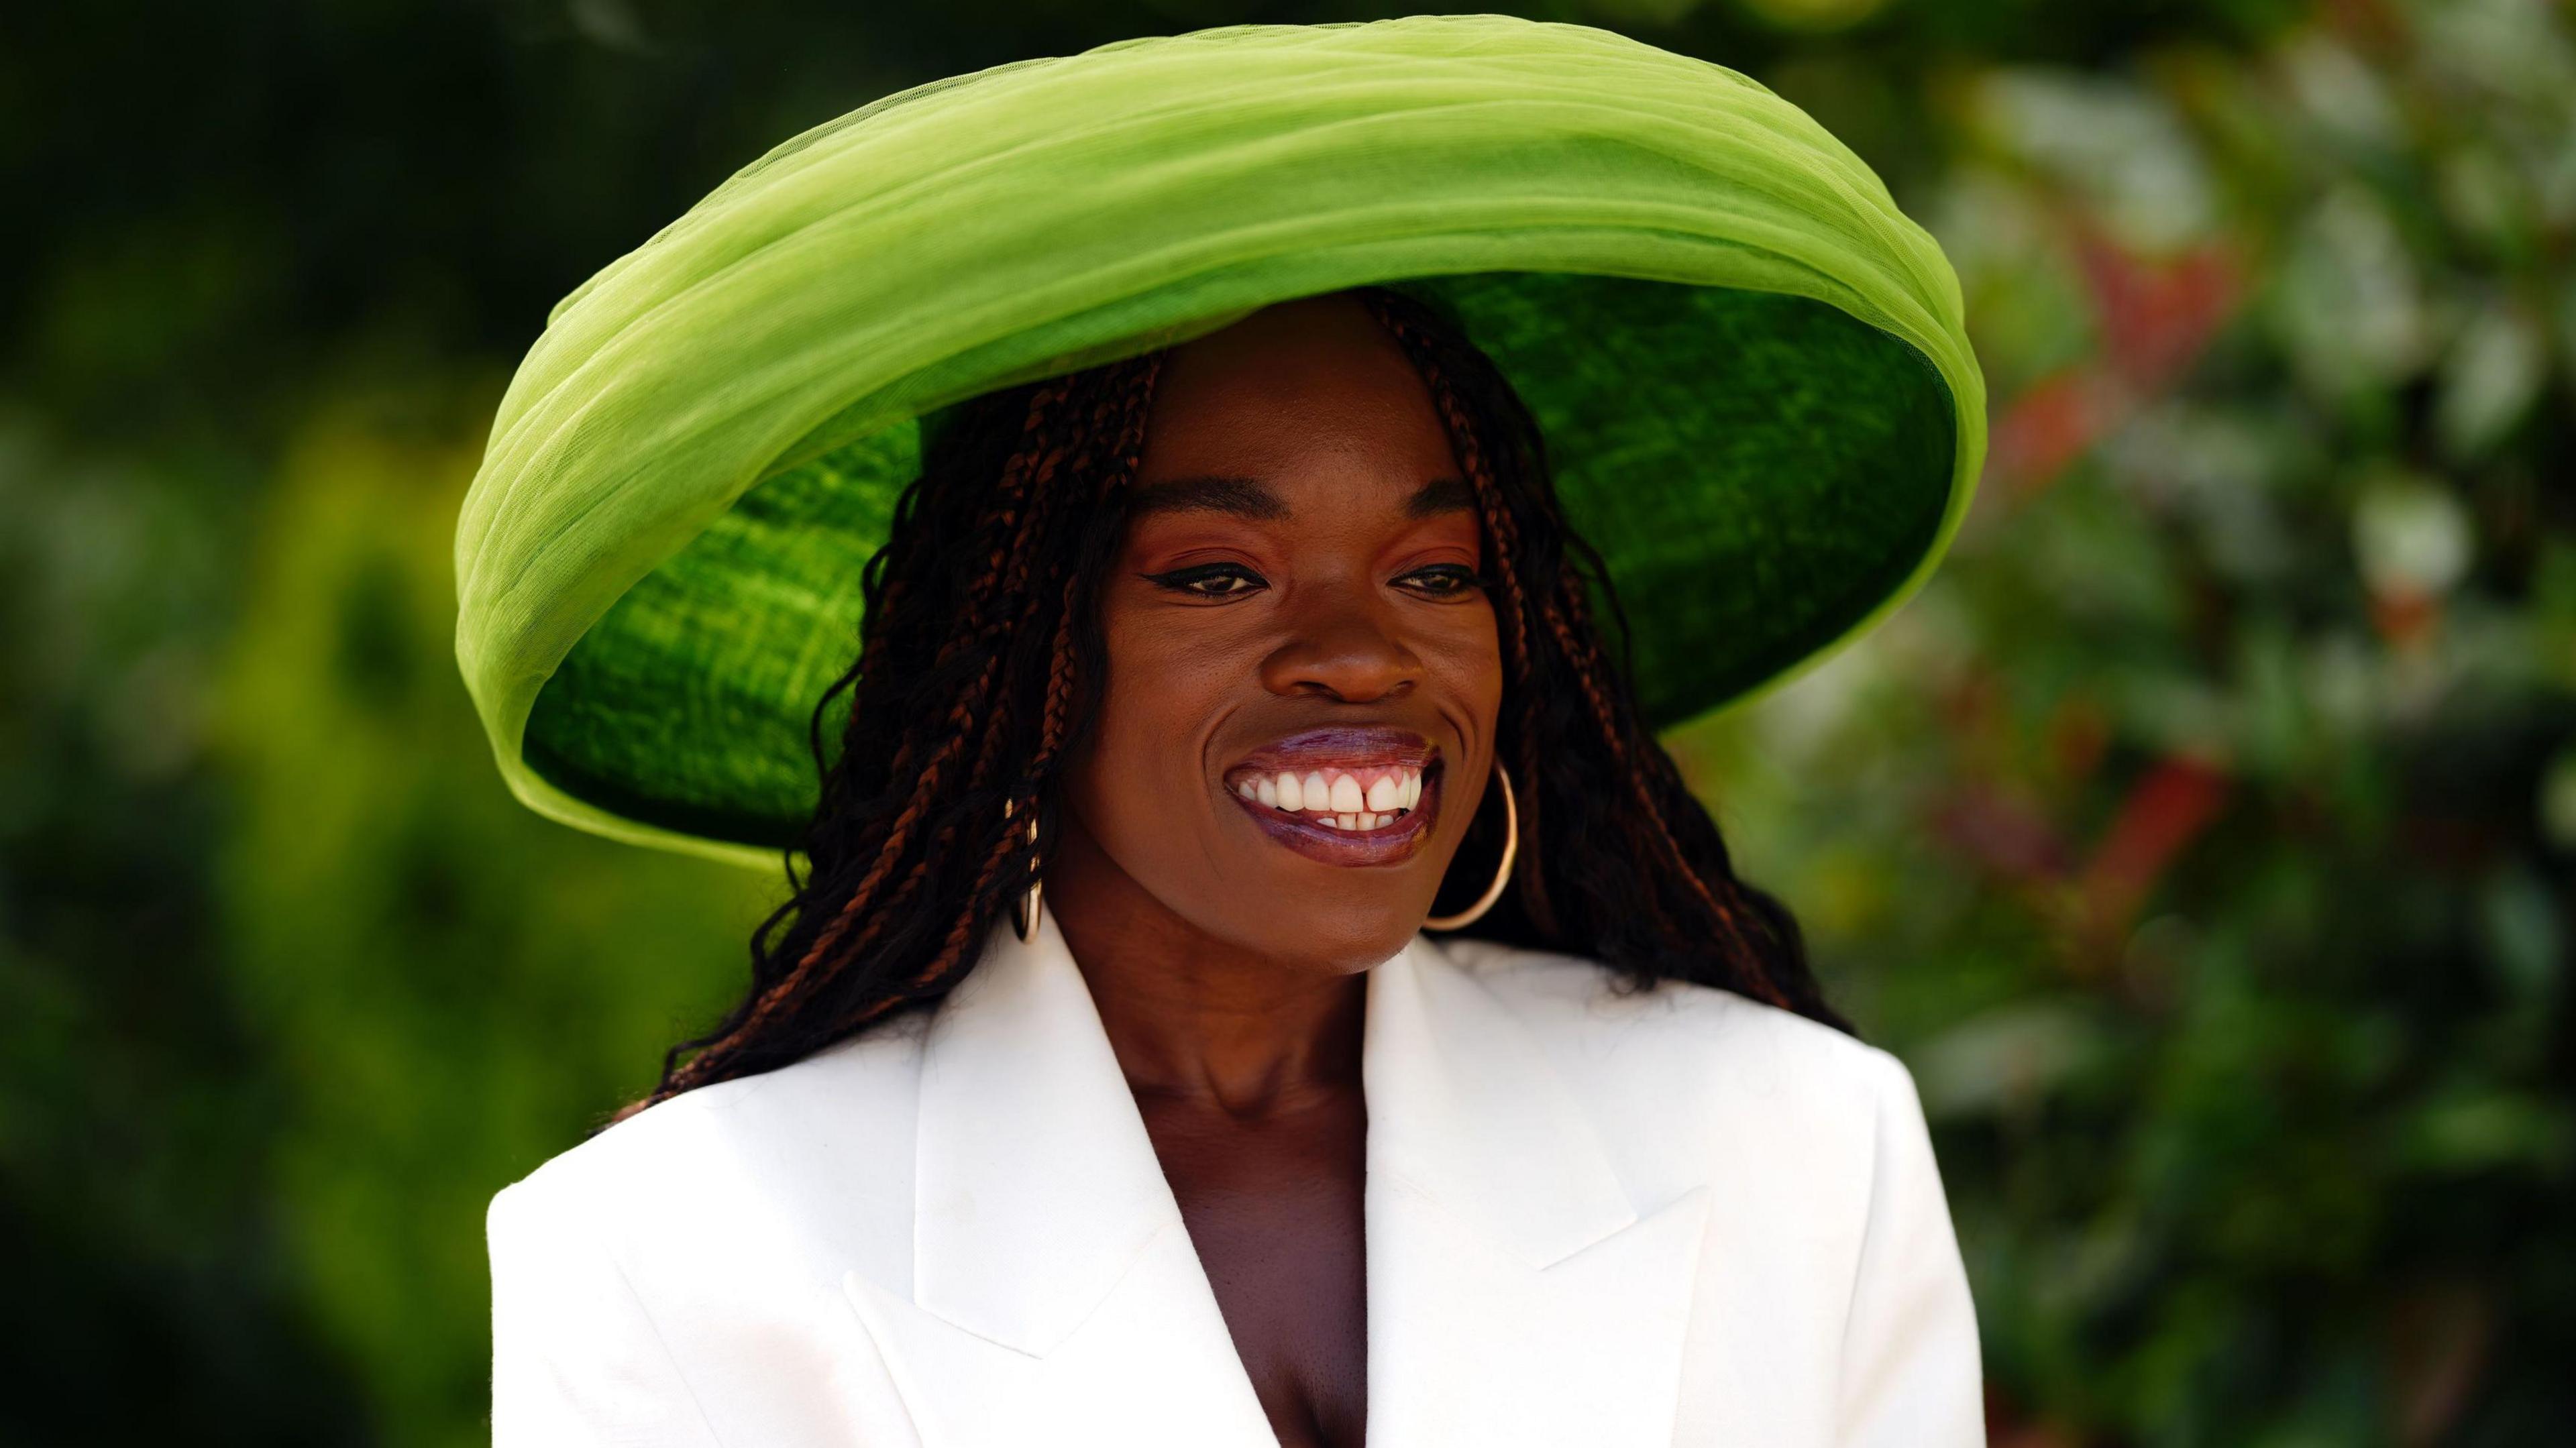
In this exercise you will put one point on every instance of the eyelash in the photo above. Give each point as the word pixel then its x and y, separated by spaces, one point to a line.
pixel 1185 580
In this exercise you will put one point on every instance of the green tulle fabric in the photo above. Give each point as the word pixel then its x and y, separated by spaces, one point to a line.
pixel 1751 367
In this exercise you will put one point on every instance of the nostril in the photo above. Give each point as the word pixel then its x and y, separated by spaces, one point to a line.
pixel 1356 663
pixel 1347 690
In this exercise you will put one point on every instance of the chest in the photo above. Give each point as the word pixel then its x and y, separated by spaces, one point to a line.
pixel 1274 1209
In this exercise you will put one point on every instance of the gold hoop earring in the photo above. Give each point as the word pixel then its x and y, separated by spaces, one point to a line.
pixel 1502 874
pixel 1024 911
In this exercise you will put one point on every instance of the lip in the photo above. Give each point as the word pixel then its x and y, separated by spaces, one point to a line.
pixel 1349 747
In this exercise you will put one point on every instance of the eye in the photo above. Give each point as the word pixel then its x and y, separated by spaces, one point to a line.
pixel 1210 580
pixel 1442 580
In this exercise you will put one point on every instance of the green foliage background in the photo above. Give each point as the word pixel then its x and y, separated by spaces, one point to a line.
pixel 2204 837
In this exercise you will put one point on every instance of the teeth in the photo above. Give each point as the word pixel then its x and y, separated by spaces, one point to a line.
pixel 1338 799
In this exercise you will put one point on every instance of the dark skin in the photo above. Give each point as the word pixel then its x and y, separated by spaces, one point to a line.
pixel 1303 557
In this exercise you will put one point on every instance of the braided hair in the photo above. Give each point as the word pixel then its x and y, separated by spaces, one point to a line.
pixel 979 669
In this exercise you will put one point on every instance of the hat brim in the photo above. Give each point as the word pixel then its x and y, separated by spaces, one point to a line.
pixel 1751 368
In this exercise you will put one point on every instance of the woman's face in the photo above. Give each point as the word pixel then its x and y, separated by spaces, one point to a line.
pixel 1304 672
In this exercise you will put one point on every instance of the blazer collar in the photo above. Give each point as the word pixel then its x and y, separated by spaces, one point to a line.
pixel 1501 1238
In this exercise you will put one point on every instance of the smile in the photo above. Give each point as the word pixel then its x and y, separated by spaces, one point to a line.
pixel 1339 797
pixel 1351 796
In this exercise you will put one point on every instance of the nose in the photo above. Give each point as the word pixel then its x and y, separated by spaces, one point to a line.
pixel 1339 648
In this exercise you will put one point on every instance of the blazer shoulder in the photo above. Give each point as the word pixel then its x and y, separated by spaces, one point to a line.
pixel 672 1279
pixel 1828 1197
pixel 1688 1044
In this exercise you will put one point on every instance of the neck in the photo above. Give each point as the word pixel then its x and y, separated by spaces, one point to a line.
pixel 1193 1017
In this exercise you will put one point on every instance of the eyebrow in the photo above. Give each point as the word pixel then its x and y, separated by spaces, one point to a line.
pixel 1243 497
pixel 1250 498
pixel 1440 495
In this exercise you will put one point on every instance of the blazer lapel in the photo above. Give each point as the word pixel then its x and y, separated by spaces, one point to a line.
pixel 1516 1293
pixel 1054 1286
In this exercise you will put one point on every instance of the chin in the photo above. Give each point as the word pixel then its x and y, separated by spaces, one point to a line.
pixel 1335 942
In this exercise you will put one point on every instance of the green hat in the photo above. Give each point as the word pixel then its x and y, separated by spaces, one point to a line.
pixel 1750 367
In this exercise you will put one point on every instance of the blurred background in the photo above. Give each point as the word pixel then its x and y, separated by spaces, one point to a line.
pixel 2204 837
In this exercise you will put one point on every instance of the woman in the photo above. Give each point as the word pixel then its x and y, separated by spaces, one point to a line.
pixel 1095 1083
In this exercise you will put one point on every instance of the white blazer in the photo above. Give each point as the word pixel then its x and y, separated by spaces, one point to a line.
pixel 1675 1218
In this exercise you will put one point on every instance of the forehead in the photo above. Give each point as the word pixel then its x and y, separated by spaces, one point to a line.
pixel 1310 398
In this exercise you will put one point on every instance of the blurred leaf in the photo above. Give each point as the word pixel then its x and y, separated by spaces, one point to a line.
pixel 2558 800
pixel 2471 1130
pixel 2410 536
pixel 2492 376
pixel 2004 1061
pixel 2349 301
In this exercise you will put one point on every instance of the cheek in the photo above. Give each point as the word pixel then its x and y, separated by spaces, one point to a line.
pixel 1464 658
pixel 1161 687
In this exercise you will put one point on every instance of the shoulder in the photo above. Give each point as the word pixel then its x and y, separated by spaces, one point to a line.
pixel 1828 1239
pixel 1824 1184
pixel 1692 1065
pixel 679 1270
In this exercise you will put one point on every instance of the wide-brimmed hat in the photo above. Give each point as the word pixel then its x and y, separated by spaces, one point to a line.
pixel 1750 366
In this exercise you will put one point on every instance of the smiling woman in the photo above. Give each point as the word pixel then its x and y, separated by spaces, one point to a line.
pixel 1096 1082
